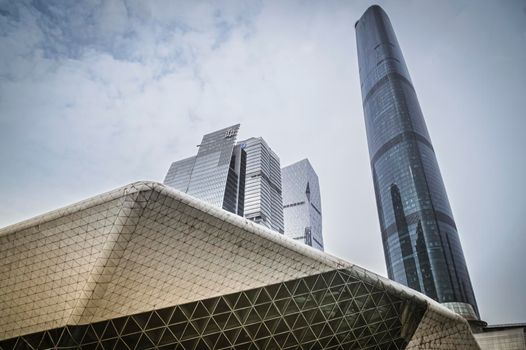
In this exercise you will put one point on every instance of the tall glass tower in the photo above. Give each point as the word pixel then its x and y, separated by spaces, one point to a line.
pixel 302 204
pixel 421 244
pixel 263 202
pixel 216 174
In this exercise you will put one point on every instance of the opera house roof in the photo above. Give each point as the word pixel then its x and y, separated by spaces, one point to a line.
pixel 146 266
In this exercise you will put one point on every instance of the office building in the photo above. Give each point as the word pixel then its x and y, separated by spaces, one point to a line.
pixel 421 244
pixel 216 174
pixel 263 202
pixel 502 337
pixel 148 267
pixel 249 185
pixel 302 204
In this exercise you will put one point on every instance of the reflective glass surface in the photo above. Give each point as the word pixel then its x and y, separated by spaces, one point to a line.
pixel 215 174
pixel 178 175
pixel 263 201
pixel 421 243
pixel 302 204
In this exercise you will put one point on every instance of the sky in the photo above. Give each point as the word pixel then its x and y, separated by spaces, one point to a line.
pixel 98 94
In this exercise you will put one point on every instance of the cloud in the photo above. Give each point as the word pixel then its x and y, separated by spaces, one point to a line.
pixel 96 69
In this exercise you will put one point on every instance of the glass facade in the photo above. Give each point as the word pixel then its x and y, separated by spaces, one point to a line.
pixel 263 201
pixel 216 174
pixel 302 204
pixel 178 175
pixel 421 244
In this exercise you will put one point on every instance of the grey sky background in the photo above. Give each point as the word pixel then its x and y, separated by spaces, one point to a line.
pixel 98 94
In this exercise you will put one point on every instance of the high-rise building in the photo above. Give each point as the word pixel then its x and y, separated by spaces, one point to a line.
pixel 147 267
pixel 302 203
pixel 216 174
pixel 502 336
pixel 263 202
pixel 421 244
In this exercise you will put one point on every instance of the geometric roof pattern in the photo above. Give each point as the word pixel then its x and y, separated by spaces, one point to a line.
pixel 146 266
pixel 327 310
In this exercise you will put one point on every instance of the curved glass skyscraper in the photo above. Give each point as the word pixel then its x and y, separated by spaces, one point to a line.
pixel 421 244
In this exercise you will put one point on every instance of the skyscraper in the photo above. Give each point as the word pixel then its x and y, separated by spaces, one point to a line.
pixel 263 202
pixel 421 244
pixel 216 174
pixel 302 204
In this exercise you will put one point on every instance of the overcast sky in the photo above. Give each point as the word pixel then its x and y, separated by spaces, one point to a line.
pixel 98 94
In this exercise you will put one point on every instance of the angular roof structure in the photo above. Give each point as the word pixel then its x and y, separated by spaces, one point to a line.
pixel 146 266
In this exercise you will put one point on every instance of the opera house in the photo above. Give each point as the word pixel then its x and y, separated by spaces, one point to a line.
pixel 148 267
